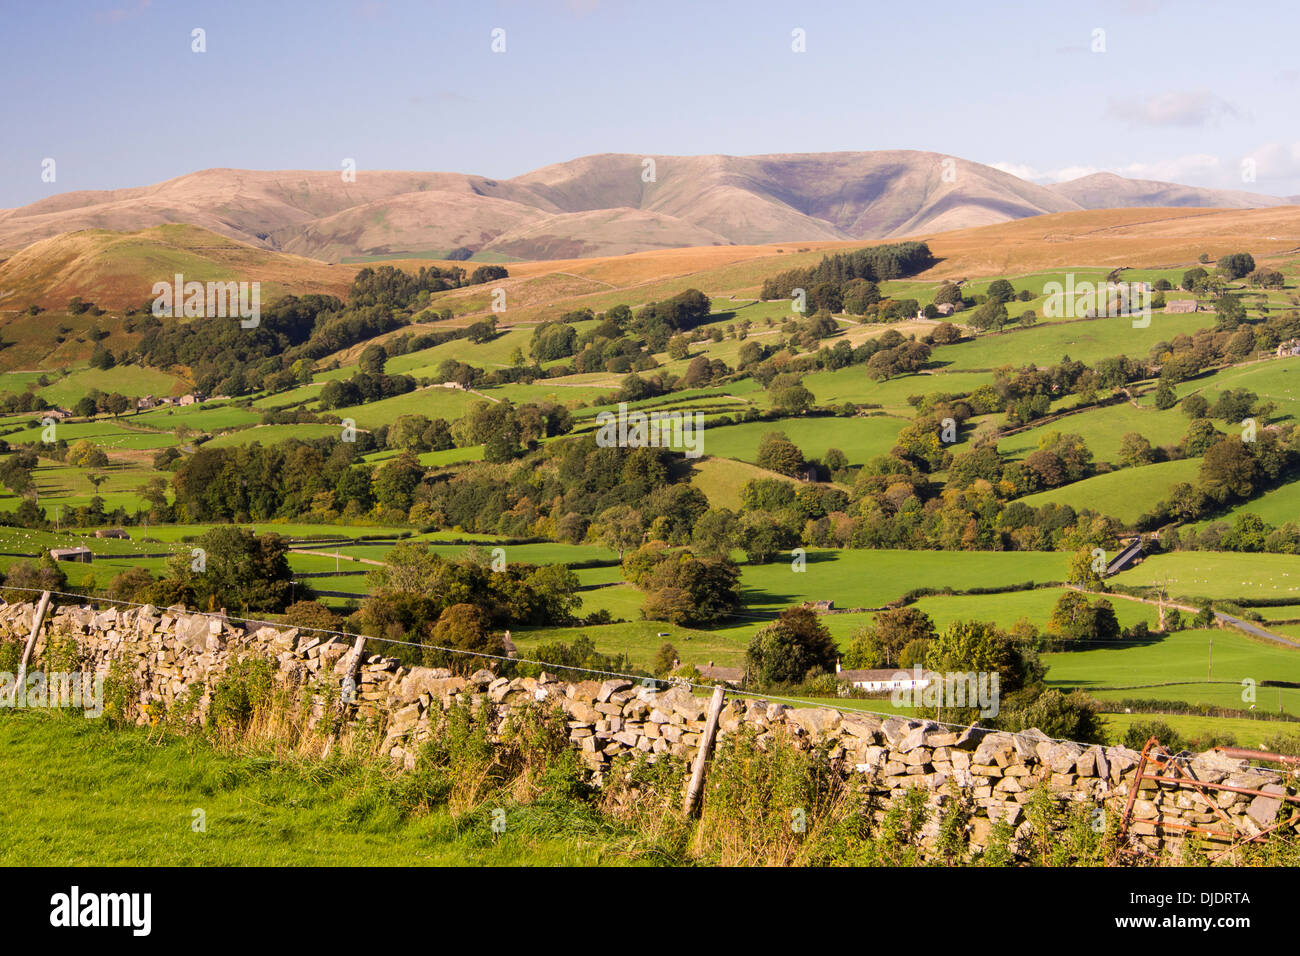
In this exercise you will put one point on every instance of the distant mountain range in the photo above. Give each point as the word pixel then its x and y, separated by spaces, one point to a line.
pixel 609 204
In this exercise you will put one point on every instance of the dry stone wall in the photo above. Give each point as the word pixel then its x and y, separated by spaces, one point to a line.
pixel 171 651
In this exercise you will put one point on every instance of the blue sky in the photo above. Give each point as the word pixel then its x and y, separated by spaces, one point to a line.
pixel 110 89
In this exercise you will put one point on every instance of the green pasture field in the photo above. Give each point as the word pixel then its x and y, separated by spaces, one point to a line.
pixel 324 561
pixel 1126 494
pixel 1004 610
pixel 1218 575
pixel 424 363
pixel 432 402
pixel 102 570
pixel 286 529
pixel 545 552
pixel 622 601
pixel 860 438
pixel 1035 606
pixel 66 487
pixel 19 382
pixel 1273 380
pixel 851 384
pixel 734 392
pixel 640 640
pixel 1276 506
pixel 1285 612
pixel 873 578
pixel 611 575
pixel 432 459
pixel 1248 733
pixel 1179 667
pixel 273 434
pixel 548 552
pixel 206 417
pixel 309 392
pixel 452 456
pixel 1103 429
pixel 545 391
pixel 106 433
pixel 30 540
pixel 1084 341
pixel 723 479
pixel 131 380
pixel 851 579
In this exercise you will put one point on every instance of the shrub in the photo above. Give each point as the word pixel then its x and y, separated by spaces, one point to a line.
pixel 1135 738
pixel 241 691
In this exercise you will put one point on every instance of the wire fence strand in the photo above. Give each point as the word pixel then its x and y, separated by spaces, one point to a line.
pixel 635 678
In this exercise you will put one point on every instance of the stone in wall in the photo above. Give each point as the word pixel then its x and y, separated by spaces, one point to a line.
pixel 171 651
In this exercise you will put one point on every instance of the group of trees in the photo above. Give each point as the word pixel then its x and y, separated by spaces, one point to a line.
pixel 416 598
pixel 1077 621
pixel 226 567
pixel 228 359
pixel 390 286
pixel 682 588
pixel 1247 532
pixel 1234 468
pixel 422 598
pixel 658 322
pixel 829 281
pixel 362 388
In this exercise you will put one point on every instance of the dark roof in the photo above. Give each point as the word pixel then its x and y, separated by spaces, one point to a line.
pixel 59 552
pixel 732 675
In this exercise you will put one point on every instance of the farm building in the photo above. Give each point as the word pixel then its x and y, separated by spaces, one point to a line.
pixel 946 308
pixel 1130 553
pixel 112 533
pixel 80 553
pixel 146 403
pixel 881 680
pixel 1289 348
pixel 1180 306
pixel 728 675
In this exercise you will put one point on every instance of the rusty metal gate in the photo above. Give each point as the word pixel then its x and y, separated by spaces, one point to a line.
pixel 1157 764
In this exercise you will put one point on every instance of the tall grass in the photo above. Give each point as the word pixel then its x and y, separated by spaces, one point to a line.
pixel 483 784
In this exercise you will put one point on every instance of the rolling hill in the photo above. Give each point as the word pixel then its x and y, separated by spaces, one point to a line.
pixel 117 270
pixel 607 204
pixel 1108 191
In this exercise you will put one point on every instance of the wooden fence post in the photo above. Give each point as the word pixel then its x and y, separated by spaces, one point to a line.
pixel 31 641
pixel 702 755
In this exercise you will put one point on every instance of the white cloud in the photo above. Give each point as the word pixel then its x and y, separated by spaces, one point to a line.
pixel 1066 173
pixel 1045 176
pixel 1018 169
pixel 1277 161
pixel 1195 167
pixel 1174 108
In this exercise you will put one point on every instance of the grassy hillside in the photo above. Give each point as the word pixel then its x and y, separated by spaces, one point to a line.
pixel 49 357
